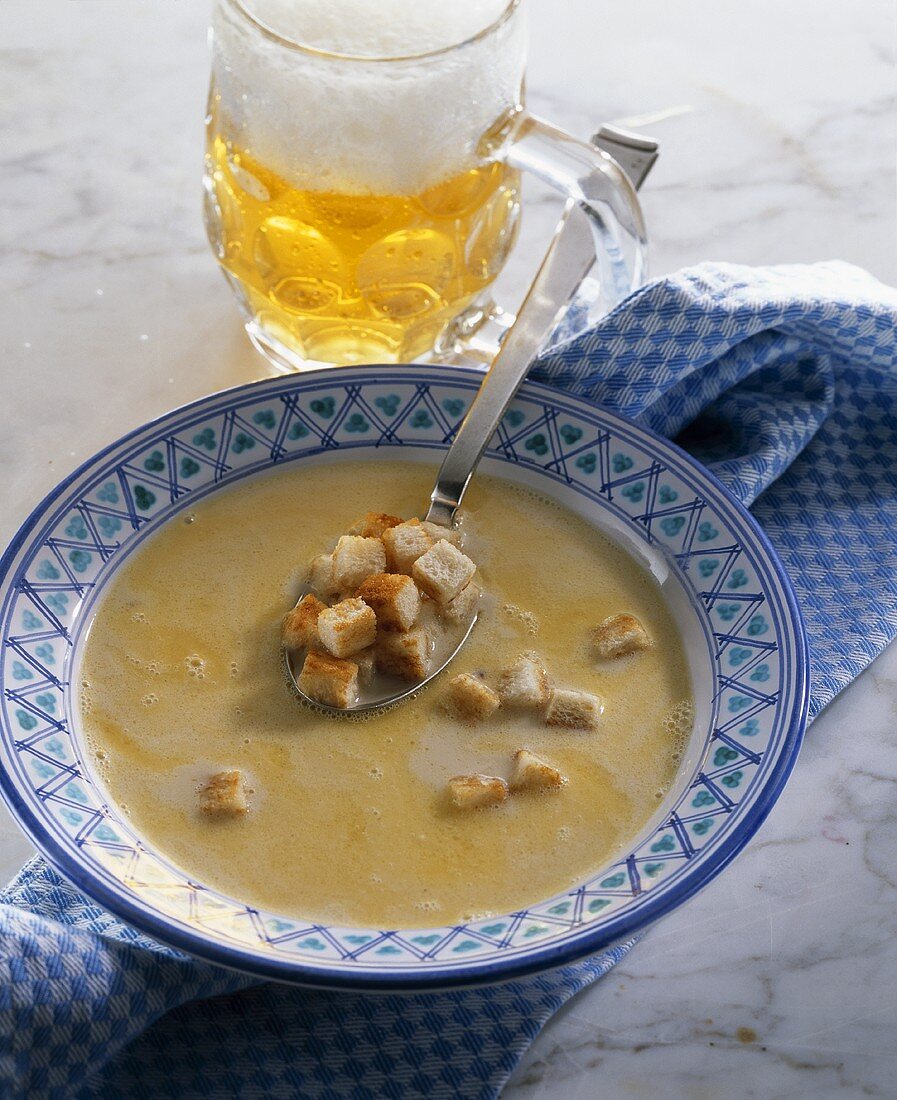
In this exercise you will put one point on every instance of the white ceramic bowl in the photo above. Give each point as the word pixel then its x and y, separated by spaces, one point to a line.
pixel 726 588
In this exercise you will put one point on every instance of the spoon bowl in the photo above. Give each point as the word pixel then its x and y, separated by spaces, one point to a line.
pixel 386 691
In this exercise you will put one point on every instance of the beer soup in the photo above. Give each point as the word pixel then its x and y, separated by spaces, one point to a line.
pixel 351 821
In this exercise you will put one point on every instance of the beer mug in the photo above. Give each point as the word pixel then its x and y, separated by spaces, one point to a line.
pixel 362 177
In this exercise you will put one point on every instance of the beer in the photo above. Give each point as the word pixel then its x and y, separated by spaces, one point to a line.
pixel 347 199
pixel 345 278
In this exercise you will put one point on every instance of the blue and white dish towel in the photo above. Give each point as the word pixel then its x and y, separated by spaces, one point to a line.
pixel 783 381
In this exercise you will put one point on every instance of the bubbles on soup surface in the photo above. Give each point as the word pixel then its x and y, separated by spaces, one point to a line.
pixel 678 722
pixel 196 666
pixel 520 614
pixel 85 697
pixel 428 905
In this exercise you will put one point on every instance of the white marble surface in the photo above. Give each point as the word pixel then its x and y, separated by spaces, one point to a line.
pixel 777 121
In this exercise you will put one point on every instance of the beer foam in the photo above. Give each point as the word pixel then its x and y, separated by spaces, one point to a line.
pixel 364 126
pixel 376 28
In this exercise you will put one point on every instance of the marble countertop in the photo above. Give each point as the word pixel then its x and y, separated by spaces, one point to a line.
pixel 776 122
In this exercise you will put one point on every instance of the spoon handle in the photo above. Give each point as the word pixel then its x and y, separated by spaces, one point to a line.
pixel 569 257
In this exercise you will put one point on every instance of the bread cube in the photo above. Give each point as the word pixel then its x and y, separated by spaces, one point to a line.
pixel 469 699
pixel 442 572
pixel 436 532
pixel 524 685
pixel 618 636
pixel 574 710
pixel 460 610
pixel 300 626
pixel 320 577
pixel 394 599
pixel 224 795
pixel 366 661
pixel 404 545
pixel 532 774
pixel 329 680
pixel 354 559
pixel 373 524
pixel 406 655
pixel 347 627
pixel 474 792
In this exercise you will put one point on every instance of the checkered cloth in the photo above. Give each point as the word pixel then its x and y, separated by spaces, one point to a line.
pixel 784 382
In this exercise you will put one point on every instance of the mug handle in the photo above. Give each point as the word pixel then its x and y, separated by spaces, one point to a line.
pixel 587 174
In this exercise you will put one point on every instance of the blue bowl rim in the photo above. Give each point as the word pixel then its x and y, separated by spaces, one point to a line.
pixel 592 940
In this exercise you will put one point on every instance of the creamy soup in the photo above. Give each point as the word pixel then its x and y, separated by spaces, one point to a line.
pixel 348 820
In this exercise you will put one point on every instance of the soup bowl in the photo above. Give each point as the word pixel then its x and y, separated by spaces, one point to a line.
pixel 723 583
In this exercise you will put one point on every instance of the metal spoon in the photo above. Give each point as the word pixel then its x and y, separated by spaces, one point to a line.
pixel 566 263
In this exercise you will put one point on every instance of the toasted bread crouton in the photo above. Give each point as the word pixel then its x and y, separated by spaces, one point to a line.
pixel 329 680
pixel 442 572
pixel 347 627
pixel 436 532
pixel 460 610
pixel 474 792
pixel 373 524
pixel 354 559
pixel 524 685
pixel 469 699
pixel 320 577
pixel 618 636
pixel 404 545
pixel 366 661
pixel 574 710
pixel 532 774
pixel 405 655
pixel 300 626
pixel 394 598
pixel 224 795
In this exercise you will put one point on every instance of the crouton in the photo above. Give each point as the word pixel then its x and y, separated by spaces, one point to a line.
pixel 524 685
pixel 404 545
pixel 532 774
pixel 575 710
pixel 373 524
pixel 473 792
pixel 366 664
pixel 436 532
pixel 618 636
pixel 442 572
pixel 347 627
pixel 394 599
pixel 355 559
pixel 469 699
pixel 300 626
pixel 460 610
pixel 404 655
pixel 224 795
pixel 329 680
pixel 320 577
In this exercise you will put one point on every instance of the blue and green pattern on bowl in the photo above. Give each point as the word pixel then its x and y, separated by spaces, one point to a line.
pixel 727 590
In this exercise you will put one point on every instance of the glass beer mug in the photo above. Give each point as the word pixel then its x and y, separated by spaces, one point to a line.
pixel 362 174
